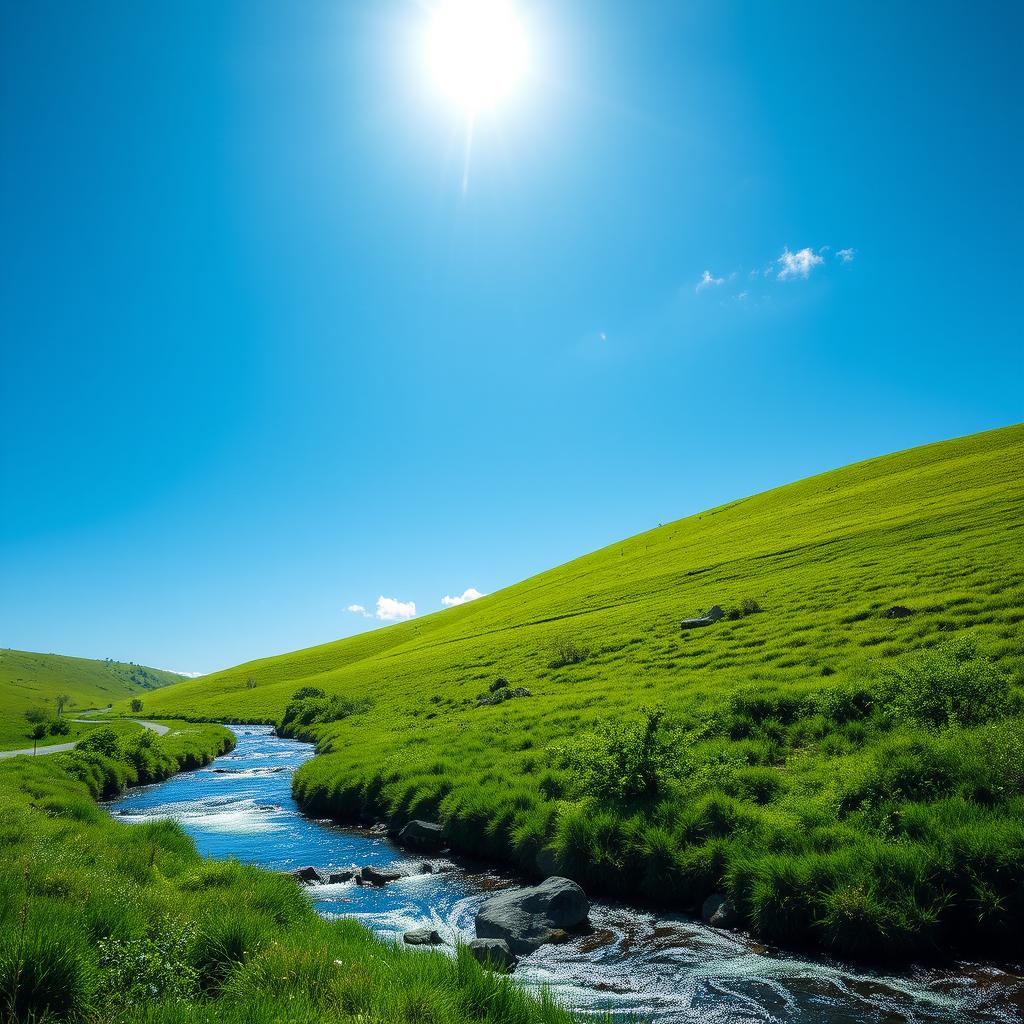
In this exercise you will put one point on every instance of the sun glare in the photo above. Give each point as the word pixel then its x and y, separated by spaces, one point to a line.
pixel 476 52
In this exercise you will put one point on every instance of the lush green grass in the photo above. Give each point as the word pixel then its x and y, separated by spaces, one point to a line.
pixel 103 922
pixel 806 761
pixel 34 681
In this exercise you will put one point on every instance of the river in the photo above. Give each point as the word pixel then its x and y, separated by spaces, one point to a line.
pixel 638 965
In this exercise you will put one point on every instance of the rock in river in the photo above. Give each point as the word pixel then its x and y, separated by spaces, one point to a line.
pixel 308 876
pixel 494 953
pixel 423 937
pixel 527 918
pixel 375 877
pixel 421 835
pixel 718 911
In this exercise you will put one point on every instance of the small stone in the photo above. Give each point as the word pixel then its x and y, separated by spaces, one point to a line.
pixel 337 877
pixel 308 876
pixel 719 912
pixel 423 937
pixel 379 878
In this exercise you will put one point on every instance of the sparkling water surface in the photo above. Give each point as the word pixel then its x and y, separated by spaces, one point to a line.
pixel 638 965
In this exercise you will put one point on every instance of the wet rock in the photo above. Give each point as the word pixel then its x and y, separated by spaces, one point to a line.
pixel 897 611
pixel 379 878
pixel 527 918
pixel 308 876
pixel 336 877
pixel 423 937
pixel 494 953
pixel 718 912
pixel 421 835
pixel 426 868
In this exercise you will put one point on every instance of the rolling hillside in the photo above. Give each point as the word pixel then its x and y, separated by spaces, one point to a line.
pixel 30 680
pixel 766 768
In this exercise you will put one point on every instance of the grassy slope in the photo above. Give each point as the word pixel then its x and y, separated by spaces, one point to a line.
pixel 939 528
pixel 103 922
pixel 30 680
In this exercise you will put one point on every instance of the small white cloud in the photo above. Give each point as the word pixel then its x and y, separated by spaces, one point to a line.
pixel 187 675
pixel 358 609
pixel 846 255
pixel 602 336
pixel 708 281
pixel 798 264
pixel 470 594
pixel 743 296
pixel 391 610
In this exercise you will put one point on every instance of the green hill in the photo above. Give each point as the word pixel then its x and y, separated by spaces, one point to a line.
pixel 29 681
pixel 848 775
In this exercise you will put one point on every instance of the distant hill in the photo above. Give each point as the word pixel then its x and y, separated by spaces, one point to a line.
pixel 842 753
pixel 29 680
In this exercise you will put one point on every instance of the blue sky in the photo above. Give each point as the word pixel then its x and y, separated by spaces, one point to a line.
pixel 267 354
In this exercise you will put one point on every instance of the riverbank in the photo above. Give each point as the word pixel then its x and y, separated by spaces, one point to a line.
pixel 638 964
pixel 166 935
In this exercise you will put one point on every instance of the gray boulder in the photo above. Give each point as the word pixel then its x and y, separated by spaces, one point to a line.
pixel 711 616
pixel 422 835
pixel 423 937
pixel 375 877
pixel 719 912
pixel 494 953
pixel 527 918
pixel 897 611
pixel 308 876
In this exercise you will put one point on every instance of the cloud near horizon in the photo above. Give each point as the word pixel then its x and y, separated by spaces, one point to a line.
pixel 469 594
pixel 390 609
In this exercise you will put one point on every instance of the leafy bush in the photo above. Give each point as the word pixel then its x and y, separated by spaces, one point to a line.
pixel 102 741
pixel 308 691
pixel 625 762
pixel 953 684
pixel 59 727
pixel 320 710
pixel 567 652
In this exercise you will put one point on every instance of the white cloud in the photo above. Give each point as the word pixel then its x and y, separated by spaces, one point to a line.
pixel 846 255
pixel 390 609
pixel 470 594
pixel 707 281
pixel 798 264
pixel 358 609
pixel 187 675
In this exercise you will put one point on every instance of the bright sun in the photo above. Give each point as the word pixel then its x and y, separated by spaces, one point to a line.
pixel 476 52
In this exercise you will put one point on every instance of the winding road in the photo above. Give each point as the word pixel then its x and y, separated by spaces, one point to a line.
pixel 57 748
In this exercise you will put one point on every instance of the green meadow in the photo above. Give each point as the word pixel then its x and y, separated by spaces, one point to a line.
pixel 33 682
pixel 852 778
pixel 105 922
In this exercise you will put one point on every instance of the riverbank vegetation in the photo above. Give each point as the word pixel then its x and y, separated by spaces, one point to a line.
pixel 838 753
pixel 102 921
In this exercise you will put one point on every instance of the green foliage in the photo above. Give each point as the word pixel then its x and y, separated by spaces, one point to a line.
pixel 320 710
pixel 136 705
pixel 102 741
pixel 148 967
pixel 952 684
pixel 624 762
pixel 308 691
pixel 58 727
pixel 567 652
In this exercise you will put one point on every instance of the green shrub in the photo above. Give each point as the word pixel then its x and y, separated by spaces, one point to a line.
pixel 46 974
pixel 953 684
pixel 627 761
pixel 567 652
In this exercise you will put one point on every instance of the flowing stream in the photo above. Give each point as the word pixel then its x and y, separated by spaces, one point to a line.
pixel 635 964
